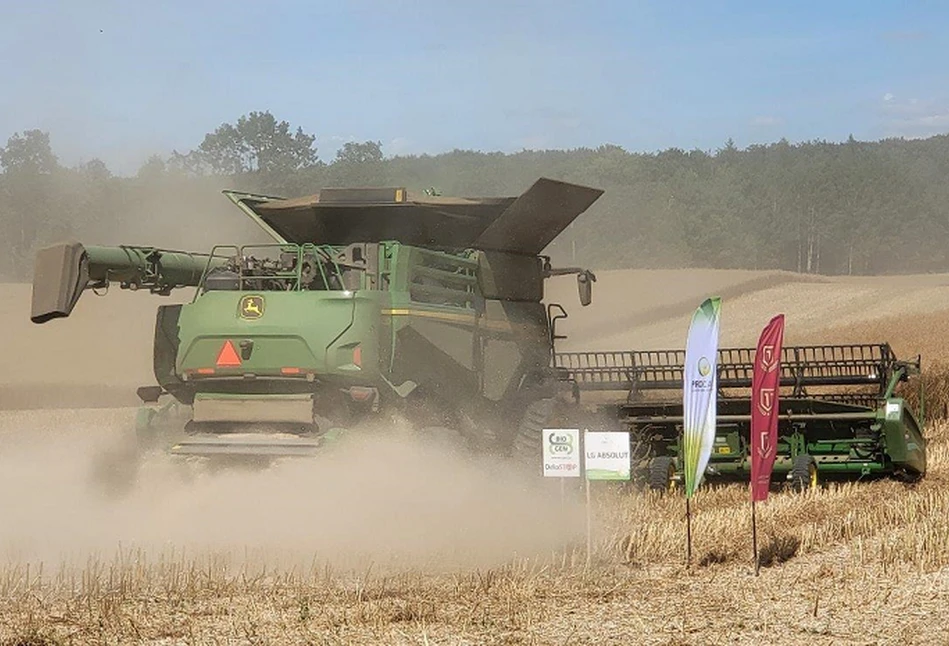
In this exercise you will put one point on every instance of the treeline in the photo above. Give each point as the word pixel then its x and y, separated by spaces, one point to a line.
pixel 815 207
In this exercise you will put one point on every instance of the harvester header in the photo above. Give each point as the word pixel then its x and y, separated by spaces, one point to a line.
pixel 841 413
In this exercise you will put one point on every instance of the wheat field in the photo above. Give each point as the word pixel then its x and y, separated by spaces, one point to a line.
pixel 854 563
pixel 455 550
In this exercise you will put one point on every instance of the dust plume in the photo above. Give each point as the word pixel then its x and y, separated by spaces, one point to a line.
pixel 381 499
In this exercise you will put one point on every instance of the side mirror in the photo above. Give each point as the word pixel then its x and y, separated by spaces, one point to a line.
pixel 585 280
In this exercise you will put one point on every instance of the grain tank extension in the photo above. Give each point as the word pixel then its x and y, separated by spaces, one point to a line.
pixel 370 305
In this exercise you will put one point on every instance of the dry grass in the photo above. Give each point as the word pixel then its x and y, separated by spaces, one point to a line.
pixel 910 336
pixel 850 563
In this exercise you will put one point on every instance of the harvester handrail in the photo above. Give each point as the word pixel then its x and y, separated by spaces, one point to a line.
pixel 802 367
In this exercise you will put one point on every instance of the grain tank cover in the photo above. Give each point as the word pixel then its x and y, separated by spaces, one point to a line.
pixel 537 217
pixel 525 224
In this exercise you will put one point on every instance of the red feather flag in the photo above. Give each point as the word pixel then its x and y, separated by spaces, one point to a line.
pixel 765 389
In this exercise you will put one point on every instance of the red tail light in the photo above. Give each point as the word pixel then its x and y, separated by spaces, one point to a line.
pixel 362 393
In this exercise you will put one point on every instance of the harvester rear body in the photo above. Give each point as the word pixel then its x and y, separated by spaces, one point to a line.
pixel 370 305
pixel 839 412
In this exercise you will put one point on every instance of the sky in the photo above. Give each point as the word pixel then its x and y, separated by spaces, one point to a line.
pixel 121 80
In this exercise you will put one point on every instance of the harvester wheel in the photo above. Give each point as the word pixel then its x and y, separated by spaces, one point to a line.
pixel 804 473
pixel 528 438
pixel 662 471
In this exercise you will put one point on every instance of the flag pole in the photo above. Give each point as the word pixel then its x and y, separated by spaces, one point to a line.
pixel 754 535
pixel 688 533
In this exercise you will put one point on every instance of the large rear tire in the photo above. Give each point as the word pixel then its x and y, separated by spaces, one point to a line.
pixel 528 441
pixel 662 473
pixel 804 473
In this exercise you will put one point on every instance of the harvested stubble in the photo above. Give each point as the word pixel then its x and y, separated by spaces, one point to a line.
pixel 855 563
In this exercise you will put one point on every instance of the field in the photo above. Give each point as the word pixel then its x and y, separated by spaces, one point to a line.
pixel 390 542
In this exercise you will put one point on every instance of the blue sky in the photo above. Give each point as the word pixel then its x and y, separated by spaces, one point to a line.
pixel 120 80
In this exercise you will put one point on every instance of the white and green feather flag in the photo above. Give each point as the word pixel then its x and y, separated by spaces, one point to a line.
pixel 699 393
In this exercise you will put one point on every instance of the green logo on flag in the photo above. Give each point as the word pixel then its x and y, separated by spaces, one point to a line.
pixel 704 367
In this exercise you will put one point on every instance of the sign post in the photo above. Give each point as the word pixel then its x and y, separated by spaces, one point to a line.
pixel 561 455
pixel 561 452
pixel 606 457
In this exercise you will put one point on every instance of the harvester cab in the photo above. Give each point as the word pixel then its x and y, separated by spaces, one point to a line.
pixel 369 305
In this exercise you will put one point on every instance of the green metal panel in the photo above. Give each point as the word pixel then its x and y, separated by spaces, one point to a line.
pixel 145 266
pixel 510 277
pixel 905 445
pixel 322 322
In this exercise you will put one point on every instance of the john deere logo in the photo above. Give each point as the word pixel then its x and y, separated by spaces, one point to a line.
pixel 705 368
pixel 251 307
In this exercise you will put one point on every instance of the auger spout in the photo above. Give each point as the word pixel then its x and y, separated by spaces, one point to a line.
pixel 63 271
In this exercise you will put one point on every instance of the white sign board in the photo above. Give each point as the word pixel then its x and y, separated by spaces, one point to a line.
pixel 607 455
pixel 562 452
pixel 893 410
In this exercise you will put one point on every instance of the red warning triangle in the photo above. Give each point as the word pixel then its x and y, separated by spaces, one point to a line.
pixel 227 357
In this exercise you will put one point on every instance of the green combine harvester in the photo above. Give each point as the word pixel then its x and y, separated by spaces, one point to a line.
pixel 380 307
pixel 840 416
pixel 370 306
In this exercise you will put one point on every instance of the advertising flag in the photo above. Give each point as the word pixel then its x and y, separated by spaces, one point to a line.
pixel 699 393
pixel 765 389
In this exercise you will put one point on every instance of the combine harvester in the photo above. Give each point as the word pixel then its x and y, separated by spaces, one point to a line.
pixel 840 414
pixel 371 307
pixel 377 307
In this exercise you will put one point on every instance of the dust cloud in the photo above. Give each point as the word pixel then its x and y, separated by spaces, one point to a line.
pixel 386 500
pixel 381 499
